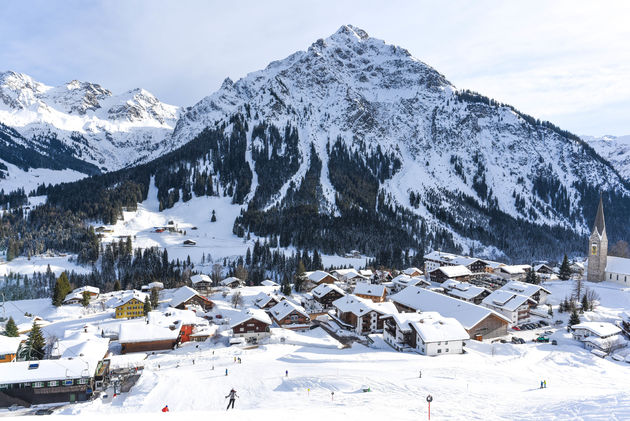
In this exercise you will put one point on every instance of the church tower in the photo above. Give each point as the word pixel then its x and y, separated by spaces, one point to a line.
pixel 597 248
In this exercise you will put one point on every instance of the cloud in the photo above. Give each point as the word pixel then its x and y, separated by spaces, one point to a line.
pixel 556 60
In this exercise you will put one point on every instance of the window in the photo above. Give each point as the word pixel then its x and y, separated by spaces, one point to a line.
pixel 439 343
pixel 82 381
pixel 446 343
pixel 68 382
pixel 38 384
pixel 439 351
pixel 4 386
pixel 53 383
pixel 446 350
pixel 422 349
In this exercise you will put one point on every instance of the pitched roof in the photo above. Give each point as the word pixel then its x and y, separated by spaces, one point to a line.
pixel 468 314
pixel 507 300
pixel 454 271
pixel 181 295
pixel 435 328
pixel 318 275
pixel 618 265
pixel 324 289
pixel 269 283
pixel 601 329
pixel 141 331
pixel 126 297
pixel 284 308
pixel 524 288
pixel 406 280
pixel 462 289
pixel 92 290
pixel 411 271
pixel 600 224
pixel 9 345
pixel 262 299
pixel 195 279
pixel 452 259
pixel 364 288
pixel 251 313
pixel 230 280
pixel 360 306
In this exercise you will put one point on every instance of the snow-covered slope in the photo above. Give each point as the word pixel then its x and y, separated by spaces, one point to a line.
pixel 84 123
pixel 616 149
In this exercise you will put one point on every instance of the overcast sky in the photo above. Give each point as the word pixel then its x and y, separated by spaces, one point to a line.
pixel 567 62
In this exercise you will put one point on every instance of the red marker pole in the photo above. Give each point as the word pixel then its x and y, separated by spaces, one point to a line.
pixel 429 411
pixel 429 399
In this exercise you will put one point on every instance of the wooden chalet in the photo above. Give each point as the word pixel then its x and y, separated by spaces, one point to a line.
pixel 202 283
pixel 186 297
pixel 290 316
pixel 252 325
pixel 374 292
pixel 325 294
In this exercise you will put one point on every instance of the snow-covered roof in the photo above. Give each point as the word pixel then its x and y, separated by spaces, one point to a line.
pixel 133 331
pixel 360 306
pixel 507 300
pixel 601 329
pixel 124 297
pixel 195 279
pixel 454 271
pixel 452 259
pixel 514 269
pixel 493 264
pixel 404 319
pixel 348 273
pixel 406 280
pixel 73 296
pixel 58 369
pixel 81 344
pixel 251 313
pixel 462 289
pixel 91 290
pixel 262 299
pixel 365 288
pixel 468 314
pixel 324 289
pixel 269 283
pixel 181 295
pixel 435 328
pixel 618 265
pixel 156 284
pixel 366 272
pixel 411 271
pixel 9 345
pixel 523 288
pixel 318 276
pixel 284 308
pixel 230 280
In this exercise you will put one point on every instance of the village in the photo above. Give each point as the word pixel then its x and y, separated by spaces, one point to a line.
pixel 105 348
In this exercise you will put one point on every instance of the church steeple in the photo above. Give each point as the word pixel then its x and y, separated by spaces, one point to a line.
pixel 598 247
pixel 600 224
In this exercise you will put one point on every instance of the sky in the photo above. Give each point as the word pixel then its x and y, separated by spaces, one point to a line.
pixel 563 61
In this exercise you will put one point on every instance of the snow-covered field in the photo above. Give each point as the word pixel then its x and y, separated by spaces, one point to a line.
pixel 492 381
pixel 58 264
pixel 215 240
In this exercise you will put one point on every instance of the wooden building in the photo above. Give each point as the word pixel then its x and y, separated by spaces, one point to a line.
pixel 290 316
pixel 325 294
pixel 202 283
pixel 253 325
pixel 186 297
pixel 374 292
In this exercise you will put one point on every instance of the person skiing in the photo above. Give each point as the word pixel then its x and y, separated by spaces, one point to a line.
pixel 541 384
pixel 165 409
pixel 286 373
pixel 226 371
pixel 545 383
pixel 232 395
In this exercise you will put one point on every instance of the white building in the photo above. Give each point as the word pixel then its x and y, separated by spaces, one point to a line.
pixel 437 335
pixel 513 306
pixel 598 335
pixel 532 291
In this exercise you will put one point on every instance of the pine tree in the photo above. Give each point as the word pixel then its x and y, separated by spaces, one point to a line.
pixel 565 269
pixel 531 277
pixel 35 343
pixel 155 298
pixel 61 289
pixel 300 277
pixel 147 306
pixel 117 285
pixel 214 217
pixel 286 288
pixel 85 299
pixel 574 319
pixel 10 329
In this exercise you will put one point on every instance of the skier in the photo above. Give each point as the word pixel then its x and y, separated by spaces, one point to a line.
pixel 165 409
pixel 232 395
pixel 226 371
pixel 545 383
pixel 286 373
pixel 541 384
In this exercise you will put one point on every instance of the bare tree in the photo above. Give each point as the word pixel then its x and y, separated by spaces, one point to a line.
pixel 577 289
pixel 620 249
pixel 237 299
pixel 217 273
pixel 592 297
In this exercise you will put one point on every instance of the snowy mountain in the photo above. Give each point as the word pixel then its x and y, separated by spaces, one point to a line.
pixel 456 156
pixel 78 126
pixel 615 149
pixel 356 144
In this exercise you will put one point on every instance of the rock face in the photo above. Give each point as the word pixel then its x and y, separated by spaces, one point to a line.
pixel 83 124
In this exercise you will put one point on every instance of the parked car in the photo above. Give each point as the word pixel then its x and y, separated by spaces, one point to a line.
pixel 557 322
pixel 521 340
pixel 44 412
pixel 516 328
pixel 548 332
pixel 554 342
pixel 515 340
pixel 542 339
pixel 544 323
